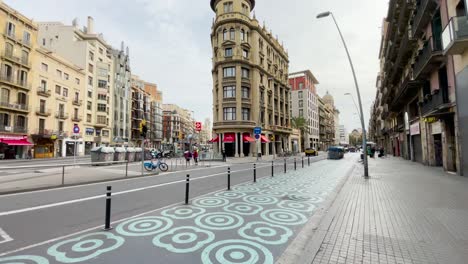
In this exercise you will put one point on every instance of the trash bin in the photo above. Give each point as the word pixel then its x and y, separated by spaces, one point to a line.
pixel 138 154
pixel 120 154
pixel 130 155
pixel 107 154
pixel 95 154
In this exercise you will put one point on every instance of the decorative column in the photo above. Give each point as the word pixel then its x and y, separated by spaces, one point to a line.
pixel 241 145
pixel 236 138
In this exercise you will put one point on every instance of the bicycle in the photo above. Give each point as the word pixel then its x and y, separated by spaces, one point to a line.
pixel 150 166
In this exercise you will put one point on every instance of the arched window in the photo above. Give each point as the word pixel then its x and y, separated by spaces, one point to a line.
pixel 242 35
pixel 225 34
pixel 233 34
pixel 21 98
pixel 20 122
pixel 5 96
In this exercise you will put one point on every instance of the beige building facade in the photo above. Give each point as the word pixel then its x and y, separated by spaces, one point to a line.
pixel 56 120
pixel 250 83
pixel 16 49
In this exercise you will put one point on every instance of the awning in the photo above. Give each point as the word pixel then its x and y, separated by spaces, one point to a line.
pixel 229 138
pixel 214 140
pixel 265 139
pixel 19 142
pixel 247 138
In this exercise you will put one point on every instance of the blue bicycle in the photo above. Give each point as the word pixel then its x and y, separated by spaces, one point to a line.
pixel 150 165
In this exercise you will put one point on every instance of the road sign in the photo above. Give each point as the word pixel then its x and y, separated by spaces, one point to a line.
pixel 198 126
pixel 76 129
pixel 257 130
pixel 257 137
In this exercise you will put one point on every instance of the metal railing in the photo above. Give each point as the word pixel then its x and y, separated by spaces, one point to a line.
pixel 20 107
pixel 431 47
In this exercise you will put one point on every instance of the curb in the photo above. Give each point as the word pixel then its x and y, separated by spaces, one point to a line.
pixel 305 246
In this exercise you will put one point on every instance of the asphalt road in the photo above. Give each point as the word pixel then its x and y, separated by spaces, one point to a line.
pixel 34 217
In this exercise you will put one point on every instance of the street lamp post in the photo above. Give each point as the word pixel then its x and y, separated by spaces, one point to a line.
pixel 364 139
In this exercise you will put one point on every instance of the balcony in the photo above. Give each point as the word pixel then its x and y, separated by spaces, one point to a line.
pixel 235 124
pixel 61 115
pixel 77 118
pixel 455 36
pixel 435 102
pixel 43 132
pixel 77 102
pixel 8 79
pixel 14 129
pixel 8 55
pixel 425 9
pixel 42 91
pixel 14 107
pixel 405 92
pixel 41 111
pixel 428 59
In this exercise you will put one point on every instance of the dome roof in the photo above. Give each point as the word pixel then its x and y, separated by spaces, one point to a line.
pixel 328 99
pixel 213 4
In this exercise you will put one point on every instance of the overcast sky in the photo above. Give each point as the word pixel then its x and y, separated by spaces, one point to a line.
pixel 169 42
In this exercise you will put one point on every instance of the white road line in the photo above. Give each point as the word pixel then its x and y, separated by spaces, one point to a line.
pixel 113 181
pixel 5 237
pixel 40 207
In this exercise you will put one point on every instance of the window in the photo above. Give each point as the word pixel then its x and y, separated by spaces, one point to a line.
pixel 77 81
pixel 232 34
pixel 77 96
pixel 242 35
pixel 245 114
pixel 59 73
pixel 65 92
pixel 245 9
pixel 229 113
pixel 102 97
pixel 301 113
pixel 301 86
pixel 245 53
pixel 90 80
pixel 91 56
pixel 228 7
pixel 300 95
pixel 58 89
pixel 90 94
pixel 246 93
pixel 91 68
pixel 245 73
pixel 228 52
pixel 102 84
pixel 43 42
pixel 101 108
pixel 26 37
pixel 5 96
pixel 301 103
pixel 41 125
pixel 44 67
pixel 105 133
pixel 229 72
pixel 11 29
pixel 101 51
pixel 88 119
pixel 42 104
pixel 66 76
pixel 43 85
pixel 60 126
pixel 21 121
pixel 89 106
pixel 229 91
pixel 225 34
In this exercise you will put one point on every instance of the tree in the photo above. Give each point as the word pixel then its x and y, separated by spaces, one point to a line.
pixel 301 124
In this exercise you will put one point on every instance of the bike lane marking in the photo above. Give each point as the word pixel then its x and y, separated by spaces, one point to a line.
pixel 5 237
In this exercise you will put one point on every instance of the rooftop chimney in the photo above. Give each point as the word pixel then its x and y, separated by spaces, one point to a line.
pixel 90 25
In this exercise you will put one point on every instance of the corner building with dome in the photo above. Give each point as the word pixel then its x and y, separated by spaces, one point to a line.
pixel 250 83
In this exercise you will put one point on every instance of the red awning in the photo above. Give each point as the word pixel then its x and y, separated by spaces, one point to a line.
pixel 214 140
pixel 265 139
pixel 229 138
pixel 19 142
pixel 247 138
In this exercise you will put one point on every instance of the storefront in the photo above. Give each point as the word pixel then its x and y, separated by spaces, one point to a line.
pixel 415 132
pixel 14 147
pixel 229 141
pixel 73 147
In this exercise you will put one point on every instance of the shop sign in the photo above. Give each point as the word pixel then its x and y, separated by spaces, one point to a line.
pixel 436 128
pixel 13 137
pixel 90 130
pixel 415 129
pixel 431 120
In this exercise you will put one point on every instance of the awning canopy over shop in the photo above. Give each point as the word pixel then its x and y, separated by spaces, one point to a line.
pixel 16 142
pixel 247 138
pixel 265 139
pixel 229 138
pixel 214 140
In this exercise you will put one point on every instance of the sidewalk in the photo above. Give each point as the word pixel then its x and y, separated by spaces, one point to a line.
pixel 405 213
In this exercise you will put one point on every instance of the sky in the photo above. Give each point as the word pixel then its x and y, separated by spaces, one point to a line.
pixel 169 43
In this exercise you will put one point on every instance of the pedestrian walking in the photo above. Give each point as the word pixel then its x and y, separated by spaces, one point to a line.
pixel 381 152
pixel 29 154
pixel 373 150
pixel 195 157
pixel 188 157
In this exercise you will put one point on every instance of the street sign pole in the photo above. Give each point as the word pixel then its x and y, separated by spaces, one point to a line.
pixel 258 133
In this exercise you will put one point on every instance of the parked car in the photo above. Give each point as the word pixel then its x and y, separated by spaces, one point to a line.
pixel 311 152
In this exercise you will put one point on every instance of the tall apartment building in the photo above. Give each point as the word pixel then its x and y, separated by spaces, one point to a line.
pixel 336 119
pixel 155 121
pixel 17 50
pixel 171 129
pixel 178 126
pixel 140 108
pixel 344 139
pixel 89 51
pixel 304 103
pixel 418 84
pixel 57 106
pixel 122 95
pixel 326 124
pixel 250 83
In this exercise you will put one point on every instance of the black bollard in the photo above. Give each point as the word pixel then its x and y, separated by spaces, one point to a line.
pixel 295 164
pixel 255 172
pixel 187 189
pixel 272 168
pixel 302 162
pixel 285 166
pixel 308 161
pixel 107 225
pixel 229 178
